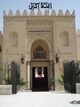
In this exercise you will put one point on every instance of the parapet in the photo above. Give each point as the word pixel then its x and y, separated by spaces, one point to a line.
pixel 78 32
pixel 39 13
pixel 0 33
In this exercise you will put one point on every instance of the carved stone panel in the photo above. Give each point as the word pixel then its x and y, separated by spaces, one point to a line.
pixel 39 23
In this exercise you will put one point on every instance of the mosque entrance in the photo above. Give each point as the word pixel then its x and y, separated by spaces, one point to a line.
pixel 39 79
pixel 40 65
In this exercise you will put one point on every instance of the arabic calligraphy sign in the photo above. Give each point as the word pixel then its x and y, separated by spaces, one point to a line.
pixel 40 5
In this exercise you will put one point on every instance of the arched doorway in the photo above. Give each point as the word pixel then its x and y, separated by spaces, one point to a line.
pixel 39 65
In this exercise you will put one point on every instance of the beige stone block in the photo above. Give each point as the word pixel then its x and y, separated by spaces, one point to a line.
pixel 5 89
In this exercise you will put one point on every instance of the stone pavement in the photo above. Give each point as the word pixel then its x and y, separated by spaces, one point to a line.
pixel 40 99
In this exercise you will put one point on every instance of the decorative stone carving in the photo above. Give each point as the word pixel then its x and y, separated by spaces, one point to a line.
pixel 39 13
pixel 39 23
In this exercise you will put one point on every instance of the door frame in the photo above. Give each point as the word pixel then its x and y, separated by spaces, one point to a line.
pixel 40 83
pixel 40 64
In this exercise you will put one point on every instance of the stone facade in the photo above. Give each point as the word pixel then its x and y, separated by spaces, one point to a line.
pixel 1 42
pixel 78 46
pixel 40 39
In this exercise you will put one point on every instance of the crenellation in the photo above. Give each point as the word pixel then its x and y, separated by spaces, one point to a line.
pixel 73 13
pixel 39 13
pixel 10 13
pixel 67 13
pixel 4 13
pixel 25 13
pixel 32 13
pixel 18 13
pixel 53 13
pixel 0 33
pixel 60 13
pixel 46 13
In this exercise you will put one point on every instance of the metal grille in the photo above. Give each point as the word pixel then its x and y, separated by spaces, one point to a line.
pixel 39 55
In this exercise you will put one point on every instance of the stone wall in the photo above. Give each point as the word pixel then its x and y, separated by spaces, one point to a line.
pixel 78 44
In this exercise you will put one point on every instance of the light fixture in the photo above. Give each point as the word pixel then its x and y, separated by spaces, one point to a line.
pixel 22 59
pixel 57 58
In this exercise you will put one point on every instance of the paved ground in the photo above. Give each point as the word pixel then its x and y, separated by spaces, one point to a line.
pixel 39 99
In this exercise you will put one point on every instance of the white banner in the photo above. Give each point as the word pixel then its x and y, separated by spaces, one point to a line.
pixel 40 5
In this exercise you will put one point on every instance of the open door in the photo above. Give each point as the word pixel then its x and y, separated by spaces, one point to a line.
pixel 39 79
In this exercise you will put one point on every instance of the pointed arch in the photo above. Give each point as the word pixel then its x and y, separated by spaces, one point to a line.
pixel 39 49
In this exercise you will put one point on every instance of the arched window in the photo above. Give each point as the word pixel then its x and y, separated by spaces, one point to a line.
pixel 39 48
pixel 64 38
pixel 14 39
